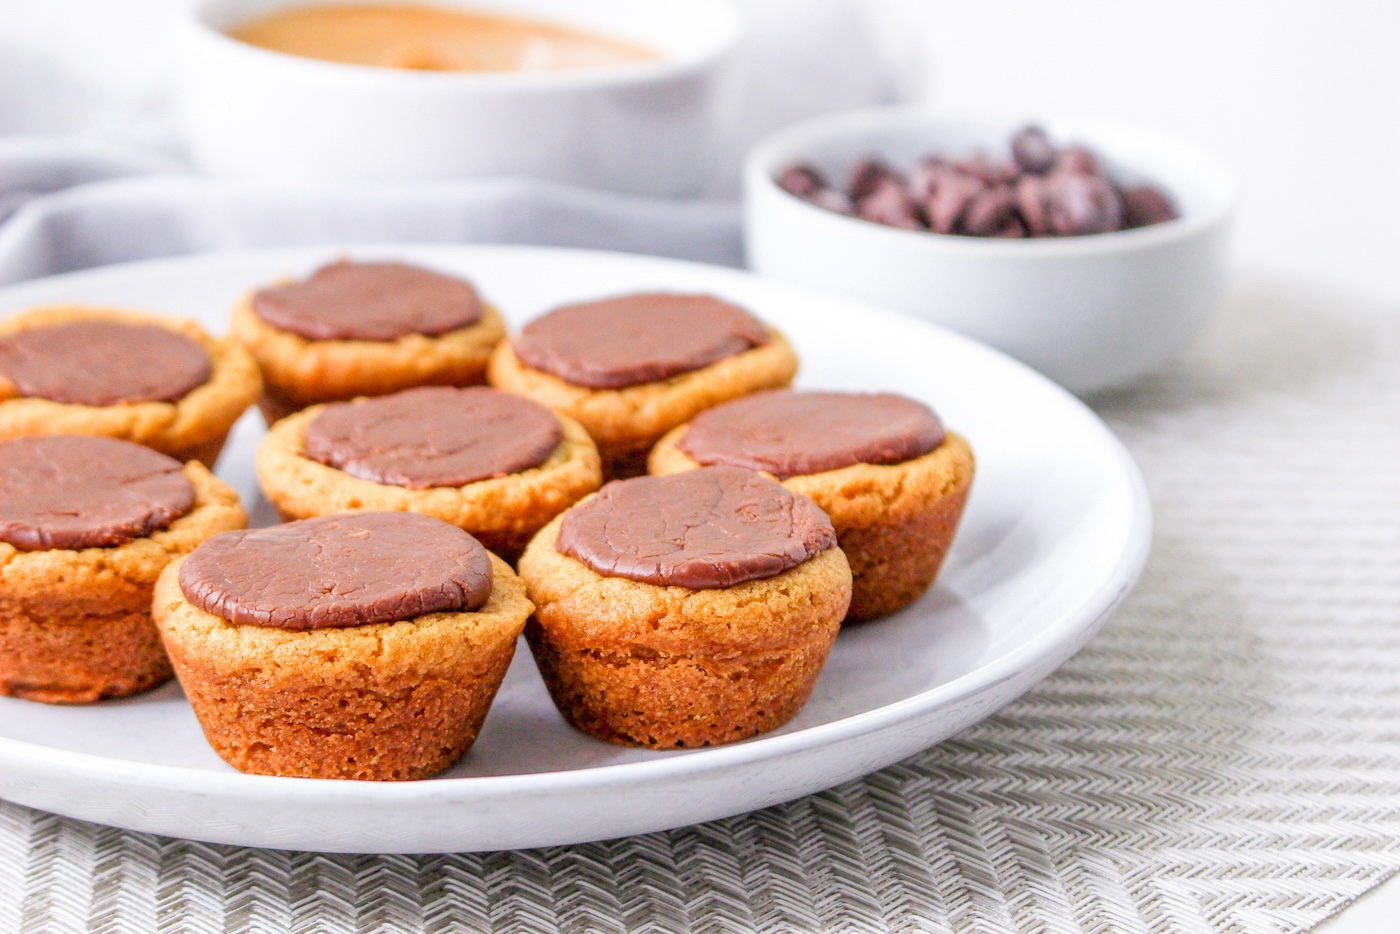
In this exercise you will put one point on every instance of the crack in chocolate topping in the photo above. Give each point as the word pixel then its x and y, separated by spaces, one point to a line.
pixel 636 339
pixel 789 433
pixel 77 491
pixel 369 302
pixel 103 363
pixel 352 569
pixel 702 529
pixel 433 436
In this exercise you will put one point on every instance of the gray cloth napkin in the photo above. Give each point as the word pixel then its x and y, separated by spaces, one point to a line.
pixel 146 216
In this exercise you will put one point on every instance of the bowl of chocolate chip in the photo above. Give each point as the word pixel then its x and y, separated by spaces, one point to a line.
pixel 1094 253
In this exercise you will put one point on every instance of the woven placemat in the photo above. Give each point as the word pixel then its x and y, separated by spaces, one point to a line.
pixel 1225 756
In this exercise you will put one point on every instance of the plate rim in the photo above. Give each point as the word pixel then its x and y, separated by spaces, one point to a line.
pixel 1055 642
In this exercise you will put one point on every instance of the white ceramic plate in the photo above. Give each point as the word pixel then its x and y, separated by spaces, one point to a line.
pixel 1055 534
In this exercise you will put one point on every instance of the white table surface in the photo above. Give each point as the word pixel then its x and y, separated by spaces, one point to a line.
pixel 1303 98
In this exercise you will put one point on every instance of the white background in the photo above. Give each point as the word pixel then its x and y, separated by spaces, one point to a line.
pixel 1302 97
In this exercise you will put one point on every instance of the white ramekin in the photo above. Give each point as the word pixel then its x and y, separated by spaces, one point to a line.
pixel 1090 312
pixel 642 128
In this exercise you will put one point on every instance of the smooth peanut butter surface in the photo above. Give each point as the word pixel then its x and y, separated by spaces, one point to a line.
pixel 428 38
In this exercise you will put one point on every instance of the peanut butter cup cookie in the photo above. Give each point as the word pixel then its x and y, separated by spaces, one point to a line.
pixel 494 464
pixel 629 369
pixel 160 382
pixel 364 329
pixel 685 611
pixel 881 465
pixel 361 646
pixel 87 524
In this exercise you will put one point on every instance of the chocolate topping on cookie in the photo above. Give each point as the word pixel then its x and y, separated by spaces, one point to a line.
pixel 433 436
pixel 76 491
pixel 352 569
pixel 636 339
pixel 103 363
pixel 702 529
pixel 348 301
pixel 790 433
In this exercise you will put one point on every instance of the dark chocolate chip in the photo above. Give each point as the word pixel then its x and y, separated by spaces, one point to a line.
pixel 926 177
pixel 1041 192
pixel 888 204
pixel 1015 229
pixel 833 200
pixel 991 210
pixel 1083 204
pixel 866 177
pixel 982 167
pixel 801 180
pixel 1032 150
pixel 1031 199
pixel 1077 160
pixel 952 197
pixel 1144 205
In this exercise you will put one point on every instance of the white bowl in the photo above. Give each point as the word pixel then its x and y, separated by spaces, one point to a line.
pixel 640 128
pixel 1090 312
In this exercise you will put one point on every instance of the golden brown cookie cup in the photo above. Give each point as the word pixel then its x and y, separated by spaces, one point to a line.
pixel 502 513
pixel 75 626
pixel 668 667
pixel 194 427
pixel 894 522
pixel 298 372
pixel 383 702
pixel 626 422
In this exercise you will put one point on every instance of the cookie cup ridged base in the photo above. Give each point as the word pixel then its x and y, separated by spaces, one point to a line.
pixel 75 626
pixel 503 513
pixel 895 522
pixel 383 702
pixel 668 667
pixel 626 422
pixel 68 650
